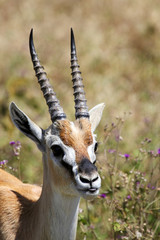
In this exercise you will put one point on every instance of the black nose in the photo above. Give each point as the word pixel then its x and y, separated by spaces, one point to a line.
pixel 86 167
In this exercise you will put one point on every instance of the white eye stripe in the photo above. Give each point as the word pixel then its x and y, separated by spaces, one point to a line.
pixel 52 139
pixel 91 153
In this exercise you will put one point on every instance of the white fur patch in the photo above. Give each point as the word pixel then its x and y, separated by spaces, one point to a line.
pixel 91 152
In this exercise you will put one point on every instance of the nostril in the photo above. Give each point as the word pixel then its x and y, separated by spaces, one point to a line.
pixel 84 180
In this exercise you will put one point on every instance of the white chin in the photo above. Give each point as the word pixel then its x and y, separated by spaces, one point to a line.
pixel 89 195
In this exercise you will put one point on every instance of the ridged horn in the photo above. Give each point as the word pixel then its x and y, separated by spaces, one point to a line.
pixel 79 94
pixel 55 110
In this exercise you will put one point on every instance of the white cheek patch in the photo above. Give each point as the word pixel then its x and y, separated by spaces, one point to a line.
pixel 70 156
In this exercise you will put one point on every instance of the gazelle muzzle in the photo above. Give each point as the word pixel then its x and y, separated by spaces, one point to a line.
pixel 87 178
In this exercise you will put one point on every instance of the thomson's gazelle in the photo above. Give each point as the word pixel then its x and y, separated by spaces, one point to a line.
pixel 28 212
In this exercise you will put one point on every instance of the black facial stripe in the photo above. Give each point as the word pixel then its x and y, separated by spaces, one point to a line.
pixel 94 161
pixel 67 166
pixel 95 146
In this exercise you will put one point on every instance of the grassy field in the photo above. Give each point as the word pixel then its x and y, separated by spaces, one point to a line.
pixel 118 44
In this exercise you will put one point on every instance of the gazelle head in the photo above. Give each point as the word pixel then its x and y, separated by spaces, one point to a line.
pixel 68 147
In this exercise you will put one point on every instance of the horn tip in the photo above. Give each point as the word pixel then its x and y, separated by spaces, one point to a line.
pixel 73 46
pixel 31 30
pixel 31 44
pixel 31 36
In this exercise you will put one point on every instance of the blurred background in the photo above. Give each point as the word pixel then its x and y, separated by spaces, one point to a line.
pixel 118 45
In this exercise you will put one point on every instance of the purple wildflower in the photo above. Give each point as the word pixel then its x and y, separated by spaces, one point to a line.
pixel 129 197
pixel 151 187
pixel 4 162
pixel 103 195
pixel 158 151
pixel 16 147
pixel 126 155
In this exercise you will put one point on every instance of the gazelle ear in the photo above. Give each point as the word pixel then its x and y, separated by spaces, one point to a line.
pixel 25 125
pixel 96 115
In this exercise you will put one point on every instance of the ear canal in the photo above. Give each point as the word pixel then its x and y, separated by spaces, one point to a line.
pixel 55 110
pixel 26 125
pixel 81 109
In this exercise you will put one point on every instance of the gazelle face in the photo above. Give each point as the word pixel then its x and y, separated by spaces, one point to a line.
pixel 72 147
pixel 68 147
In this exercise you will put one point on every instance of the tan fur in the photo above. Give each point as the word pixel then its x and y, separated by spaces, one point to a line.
pixel 9 181
pixel 13 197
pixel 80 133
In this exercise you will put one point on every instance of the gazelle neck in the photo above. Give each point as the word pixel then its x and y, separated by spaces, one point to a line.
pixel 58 212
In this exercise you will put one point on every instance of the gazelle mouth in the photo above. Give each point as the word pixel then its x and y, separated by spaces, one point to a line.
pixel 89 191
pixel 92 190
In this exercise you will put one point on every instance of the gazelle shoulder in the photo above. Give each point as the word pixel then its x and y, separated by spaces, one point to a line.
pixel 7 178
pixel 9 183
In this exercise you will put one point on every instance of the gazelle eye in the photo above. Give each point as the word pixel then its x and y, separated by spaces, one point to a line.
pixel 57 151
pixel 95 147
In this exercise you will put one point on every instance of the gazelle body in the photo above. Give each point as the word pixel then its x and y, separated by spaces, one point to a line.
pixel 28 212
